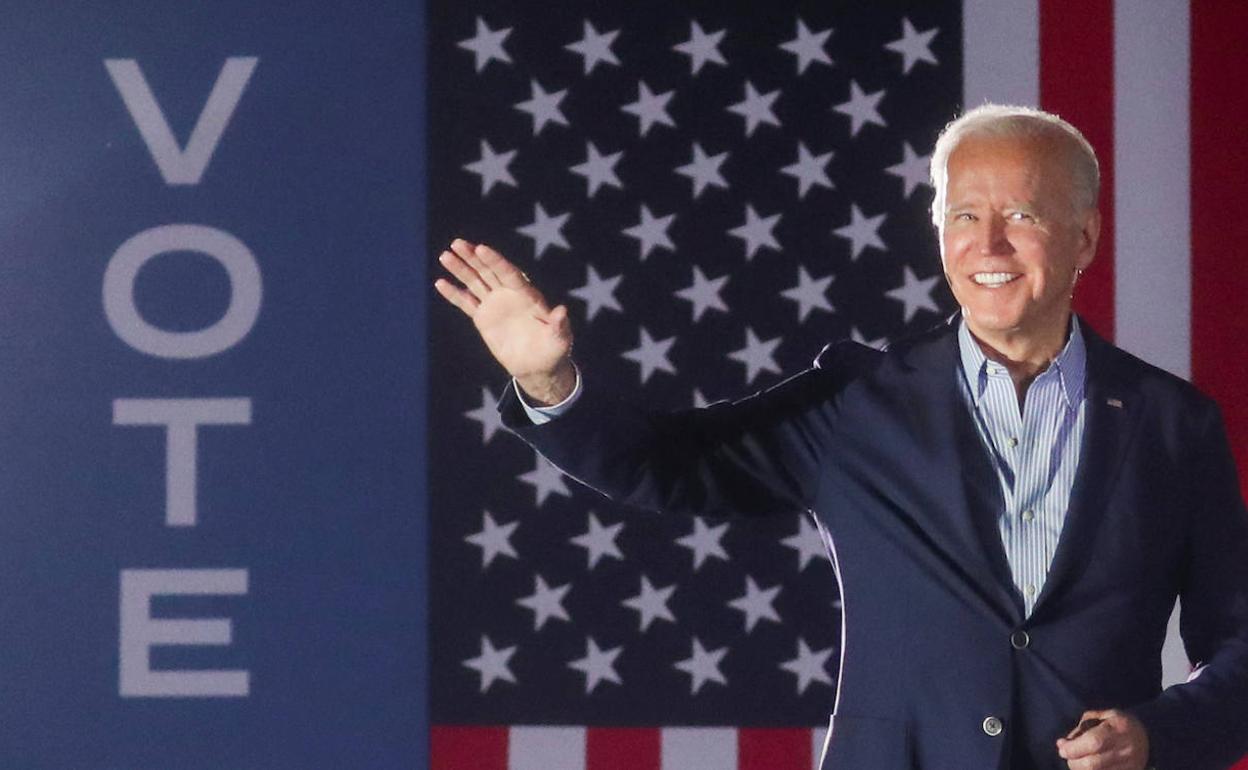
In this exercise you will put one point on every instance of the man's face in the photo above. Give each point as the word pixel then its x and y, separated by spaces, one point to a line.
pixel 1012 239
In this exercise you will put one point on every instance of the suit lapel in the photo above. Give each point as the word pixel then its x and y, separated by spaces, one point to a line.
pixel 970 497
pixel 1113 411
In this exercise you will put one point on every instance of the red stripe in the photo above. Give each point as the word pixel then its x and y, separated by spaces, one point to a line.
pixel 622 748
pixel 467 748
pixel 1219 229
pixel 1219 110
pixel 1077 82
pixel 776 749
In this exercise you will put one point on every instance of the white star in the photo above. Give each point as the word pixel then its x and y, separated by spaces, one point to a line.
pixel 756 108
pixel 757 355
pixel 651 603
pixel 703 170
pixel 808 46
pixel 704 543
pixel 651 232
pixel 595 48
pixel 915 294
pixel 809 666
pixel 650 108
pixel 545 230
pixel 702 666
pixel 756 232
pixel 809 170
pixel 545 602
pixel 492 167
pixel 543 107
pixel 861 231
pixel 598 541
pixel 598 169
pixel 807 542
pixel 861 108
pixel 651 355
pixel 912 170
pixel 703 294
pixel 597 665
pixel 493 540
pixel 491 664
pixel 879 343
pixel 486 45
pixel 913 46
pixel 597 293
pixel 755 604
pixel 487 414
pixel 701 47
pixel 809 294
pixel 545 479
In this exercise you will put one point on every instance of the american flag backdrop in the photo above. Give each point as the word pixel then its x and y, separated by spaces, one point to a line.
pixel 716 190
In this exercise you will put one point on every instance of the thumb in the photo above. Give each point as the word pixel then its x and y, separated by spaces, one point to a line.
pixel 1087 721
pixel 558 318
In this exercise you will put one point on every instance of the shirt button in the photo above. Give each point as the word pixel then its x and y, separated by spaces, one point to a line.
pixel 1028 515
pixel 992 726
pixel 1030 589
pixel 1020 639
pixel 1011 442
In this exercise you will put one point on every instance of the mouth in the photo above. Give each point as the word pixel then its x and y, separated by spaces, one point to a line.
pixel 994 280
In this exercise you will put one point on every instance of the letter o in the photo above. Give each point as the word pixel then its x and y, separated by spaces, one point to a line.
pixel 231 253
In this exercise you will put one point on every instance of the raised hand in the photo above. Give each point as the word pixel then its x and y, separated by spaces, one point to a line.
pixel 531 340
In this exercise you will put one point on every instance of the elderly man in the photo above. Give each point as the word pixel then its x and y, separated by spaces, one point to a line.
pixel 1012 503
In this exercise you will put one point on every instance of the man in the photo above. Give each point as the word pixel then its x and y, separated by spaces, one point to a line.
pixel 1014 504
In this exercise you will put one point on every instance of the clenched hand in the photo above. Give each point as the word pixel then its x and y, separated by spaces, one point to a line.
pixel 1118 742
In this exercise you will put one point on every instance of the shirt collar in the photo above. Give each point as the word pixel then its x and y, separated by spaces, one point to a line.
pixel 1070 365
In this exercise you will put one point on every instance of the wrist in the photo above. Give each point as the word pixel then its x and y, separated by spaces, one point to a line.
pixel 549 388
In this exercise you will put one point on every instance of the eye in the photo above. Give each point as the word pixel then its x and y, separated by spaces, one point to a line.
pixel 963 216
pixel 1020 216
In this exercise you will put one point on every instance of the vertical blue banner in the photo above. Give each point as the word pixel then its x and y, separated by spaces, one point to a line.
pixel 212 399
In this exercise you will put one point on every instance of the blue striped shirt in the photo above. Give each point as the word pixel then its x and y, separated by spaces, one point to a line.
pixel 1034 453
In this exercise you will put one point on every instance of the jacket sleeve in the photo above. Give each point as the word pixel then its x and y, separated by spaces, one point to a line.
pixel 1203 724
pixel 758 455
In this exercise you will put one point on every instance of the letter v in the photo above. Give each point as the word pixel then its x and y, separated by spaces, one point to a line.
pixel 176 165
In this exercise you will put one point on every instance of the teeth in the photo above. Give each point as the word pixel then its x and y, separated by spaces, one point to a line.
pixel 993 279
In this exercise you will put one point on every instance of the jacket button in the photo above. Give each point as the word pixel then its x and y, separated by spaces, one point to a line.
pixel 1020 639
pixel 992 726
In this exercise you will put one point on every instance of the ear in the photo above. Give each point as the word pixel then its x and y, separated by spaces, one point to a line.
pixel 1089 234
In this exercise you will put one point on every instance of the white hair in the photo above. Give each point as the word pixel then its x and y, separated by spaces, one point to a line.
pixel 1014 121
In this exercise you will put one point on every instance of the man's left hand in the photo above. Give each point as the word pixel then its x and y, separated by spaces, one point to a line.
pixel 1119 742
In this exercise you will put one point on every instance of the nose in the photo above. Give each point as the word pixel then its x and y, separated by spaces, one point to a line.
pixel 992 238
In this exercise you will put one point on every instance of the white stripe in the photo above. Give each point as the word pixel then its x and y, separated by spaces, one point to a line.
pixel 543 748
pixel 1152 170
pixel 818 745
pixel 698 748
pixel 1001 52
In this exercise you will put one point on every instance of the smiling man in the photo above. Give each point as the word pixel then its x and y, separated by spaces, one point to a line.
pixel 1013 503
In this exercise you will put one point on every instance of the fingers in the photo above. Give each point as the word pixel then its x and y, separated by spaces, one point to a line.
pixel 1087 723
pixel 468 253
pixel 1105 740
pixel 1088 743
pixel 456 296
pixel 482 270
pixel 508 274
pixel 466 275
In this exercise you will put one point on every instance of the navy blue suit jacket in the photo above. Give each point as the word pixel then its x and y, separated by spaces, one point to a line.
pixel 881 448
